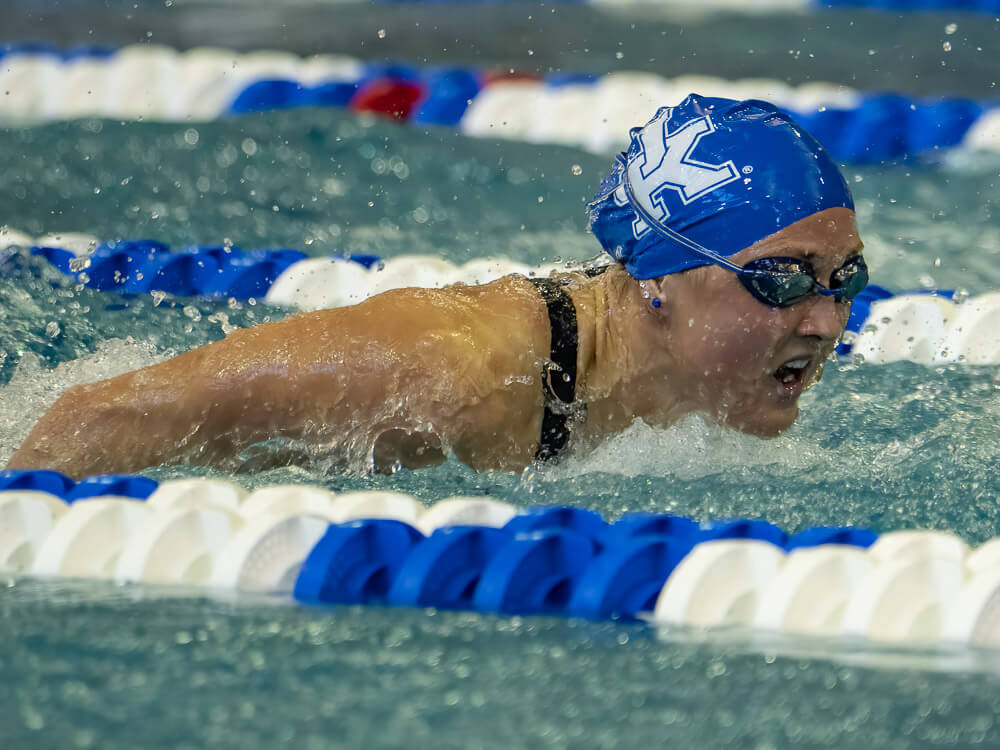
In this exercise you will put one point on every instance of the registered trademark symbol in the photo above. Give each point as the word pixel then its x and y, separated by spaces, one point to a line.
pixel 747 169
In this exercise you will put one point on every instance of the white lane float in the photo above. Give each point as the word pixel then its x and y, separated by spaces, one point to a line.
pixel 973 613
pixel 375 504
pixel 718 583
pixel 87 539
pixel 197 493
pixel 466 511
pixel 179 545
pixel 913 544
pixel 808 594
pixel 27 517
pixel 911 327
pixel 267 552
pixel 904 600
pixel 288 499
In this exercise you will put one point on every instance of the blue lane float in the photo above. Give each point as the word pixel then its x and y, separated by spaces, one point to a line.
pixel 535 574
pixel 224 272
pixel 143 266
pixel 356 563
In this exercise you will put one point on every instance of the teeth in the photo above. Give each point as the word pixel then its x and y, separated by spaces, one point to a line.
pixel 797 364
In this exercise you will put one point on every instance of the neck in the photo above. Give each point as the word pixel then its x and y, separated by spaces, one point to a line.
pixel 623 365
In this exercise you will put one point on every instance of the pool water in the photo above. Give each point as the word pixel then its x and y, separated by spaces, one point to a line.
pixel 885 447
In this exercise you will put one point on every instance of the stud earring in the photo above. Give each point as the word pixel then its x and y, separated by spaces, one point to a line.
pixel 656 302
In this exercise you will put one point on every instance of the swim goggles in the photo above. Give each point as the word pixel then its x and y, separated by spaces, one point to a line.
pixel 777 282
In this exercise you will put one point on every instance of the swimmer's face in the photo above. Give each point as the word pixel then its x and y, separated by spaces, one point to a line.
pixel 744 362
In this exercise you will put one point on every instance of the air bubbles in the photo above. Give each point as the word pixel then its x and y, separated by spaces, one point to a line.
pixel 79 263
pixel 951 28
pixel 52 330
pixel 192 313
pixel 946 46
pixel 381 33
pixel 576 169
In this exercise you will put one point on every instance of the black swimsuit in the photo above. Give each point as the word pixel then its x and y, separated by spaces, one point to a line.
pixel 559 372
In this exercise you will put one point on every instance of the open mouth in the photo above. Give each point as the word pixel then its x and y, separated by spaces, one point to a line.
pixel 792 372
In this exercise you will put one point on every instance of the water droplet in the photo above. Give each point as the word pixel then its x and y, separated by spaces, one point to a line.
pixel 619 54
pixel 946 46
pixel 52 330
pixel 951 28
pixel 192 312
pixel 576 169
pixel 381 33
pixel 158 297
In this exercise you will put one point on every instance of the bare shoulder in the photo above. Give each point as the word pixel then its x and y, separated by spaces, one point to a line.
pixel 484 316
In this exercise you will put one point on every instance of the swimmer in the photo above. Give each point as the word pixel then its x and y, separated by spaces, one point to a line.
pixel 735 260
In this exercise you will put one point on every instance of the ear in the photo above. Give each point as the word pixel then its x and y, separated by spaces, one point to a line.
pixel 658 296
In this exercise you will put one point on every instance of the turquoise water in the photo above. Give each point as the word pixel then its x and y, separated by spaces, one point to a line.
pixel 888 447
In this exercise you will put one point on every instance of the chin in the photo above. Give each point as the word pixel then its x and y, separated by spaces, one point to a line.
pixel 766 423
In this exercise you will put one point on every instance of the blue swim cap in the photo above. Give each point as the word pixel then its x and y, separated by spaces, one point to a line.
pixel 710 174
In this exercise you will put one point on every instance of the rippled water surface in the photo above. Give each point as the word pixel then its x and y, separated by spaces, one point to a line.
pixel 897 446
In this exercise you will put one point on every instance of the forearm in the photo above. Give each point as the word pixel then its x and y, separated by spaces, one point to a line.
pixel 99 429
pixel 176 411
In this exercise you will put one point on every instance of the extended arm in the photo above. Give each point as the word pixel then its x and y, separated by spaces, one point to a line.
pixel 403 376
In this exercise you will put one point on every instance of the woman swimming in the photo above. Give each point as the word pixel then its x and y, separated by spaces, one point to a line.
pixel 737 256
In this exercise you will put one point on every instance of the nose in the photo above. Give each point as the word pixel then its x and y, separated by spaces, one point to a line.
pixel 823 317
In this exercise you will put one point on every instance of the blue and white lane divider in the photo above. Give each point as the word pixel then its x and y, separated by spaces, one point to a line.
pixel 578 109
pixel 771 6
pixel 480 554
pixel 929 327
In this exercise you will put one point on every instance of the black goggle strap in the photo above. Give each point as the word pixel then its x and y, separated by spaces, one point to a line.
pixel 719 260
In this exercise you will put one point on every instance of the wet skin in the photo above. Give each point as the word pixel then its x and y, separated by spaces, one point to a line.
pixel 410 375
pixel 734 343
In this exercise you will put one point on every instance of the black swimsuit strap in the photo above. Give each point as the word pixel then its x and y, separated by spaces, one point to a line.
pixel 559 374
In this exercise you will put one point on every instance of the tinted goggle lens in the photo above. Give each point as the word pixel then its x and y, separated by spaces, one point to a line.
pixel 783 282
pixel 851 278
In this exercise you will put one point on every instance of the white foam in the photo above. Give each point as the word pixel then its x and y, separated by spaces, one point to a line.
pixel 689 450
